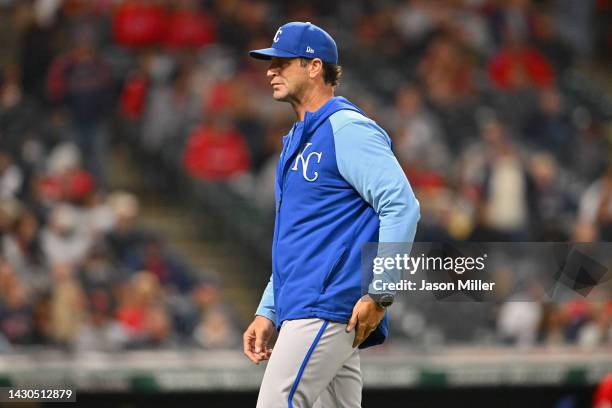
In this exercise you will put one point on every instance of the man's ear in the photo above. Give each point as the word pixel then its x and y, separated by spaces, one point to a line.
pixel 316 67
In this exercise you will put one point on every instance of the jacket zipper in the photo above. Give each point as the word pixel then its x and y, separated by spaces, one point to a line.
pixel 281 189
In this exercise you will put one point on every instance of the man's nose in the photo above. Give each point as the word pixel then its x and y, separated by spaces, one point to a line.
pixel 272 72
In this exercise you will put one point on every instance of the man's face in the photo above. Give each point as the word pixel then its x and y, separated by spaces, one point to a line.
pixel 288 78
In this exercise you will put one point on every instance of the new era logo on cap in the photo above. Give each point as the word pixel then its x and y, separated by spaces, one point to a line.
pixel 299 39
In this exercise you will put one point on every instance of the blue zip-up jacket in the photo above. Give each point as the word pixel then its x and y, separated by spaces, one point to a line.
pixel 338 187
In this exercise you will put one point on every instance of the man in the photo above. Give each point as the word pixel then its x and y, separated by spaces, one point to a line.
pixel 83 81
pixel 338 187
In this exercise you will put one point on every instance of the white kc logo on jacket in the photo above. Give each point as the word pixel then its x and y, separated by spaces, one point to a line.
pixel 305 162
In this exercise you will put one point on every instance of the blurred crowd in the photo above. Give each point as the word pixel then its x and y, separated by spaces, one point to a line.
pixel 78 269
pixel 511 321
pixel 470 91
pixel 80 272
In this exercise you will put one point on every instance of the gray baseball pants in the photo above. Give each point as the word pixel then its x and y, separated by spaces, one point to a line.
pixel 313 365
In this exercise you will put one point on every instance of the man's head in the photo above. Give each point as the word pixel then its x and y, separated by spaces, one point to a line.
pixel 291 78
pixel 303 56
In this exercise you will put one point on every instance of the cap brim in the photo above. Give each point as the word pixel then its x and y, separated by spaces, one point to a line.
pixel 268 53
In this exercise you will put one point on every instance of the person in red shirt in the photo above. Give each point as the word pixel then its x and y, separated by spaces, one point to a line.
pixel 519 65
pixel 135 90
pixel 216 151
pixel 138 23
pixel 189 26
pixel 603 394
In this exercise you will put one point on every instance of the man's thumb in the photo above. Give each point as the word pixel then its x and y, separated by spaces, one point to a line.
pixel 352 323
pixel 259 343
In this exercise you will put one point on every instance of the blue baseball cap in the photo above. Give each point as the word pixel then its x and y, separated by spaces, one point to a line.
pixel 298 39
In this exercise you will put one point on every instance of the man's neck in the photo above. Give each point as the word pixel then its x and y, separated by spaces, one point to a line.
pixel 312 101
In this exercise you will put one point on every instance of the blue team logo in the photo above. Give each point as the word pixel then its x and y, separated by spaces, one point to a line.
pixel 306 161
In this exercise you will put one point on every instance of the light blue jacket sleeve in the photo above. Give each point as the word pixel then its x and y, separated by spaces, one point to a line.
pixel 366 161
pixel 266 305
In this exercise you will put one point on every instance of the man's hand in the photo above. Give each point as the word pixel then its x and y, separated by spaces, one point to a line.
pixel 366 317
pixel 256 339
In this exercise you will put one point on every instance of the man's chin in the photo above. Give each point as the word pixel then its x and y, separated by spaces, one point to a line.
pixel 281 97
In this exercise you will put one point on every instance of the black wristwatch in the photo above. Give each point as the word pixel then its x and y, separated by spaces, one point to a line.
pixel 383 300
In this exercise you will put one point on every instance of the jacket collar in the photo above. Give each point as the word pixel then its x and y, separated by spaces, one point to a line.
pixel 312 120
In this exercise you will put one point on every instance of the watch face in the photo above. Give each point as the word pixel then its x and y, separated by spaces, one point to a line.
pixel 385 300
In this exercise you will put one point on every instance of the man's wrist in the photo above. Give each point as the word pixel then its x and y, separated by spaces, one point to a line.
pixel 270 318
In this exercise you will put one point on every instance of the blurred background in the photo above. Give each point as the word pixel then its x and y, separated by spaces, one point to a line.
pixel 138 145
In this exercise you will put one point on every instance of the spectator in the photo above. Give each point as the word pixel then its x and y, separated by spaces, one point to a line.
pixel 64 241
pixel 468 23
pixel 578 314
pixel 141 295
pixel 134 95
pixel 10 209
pixel 189 26
pixel 507 200
pixel 98 272
pixel 11 177
pixel 152 256
pixel 518 322
pixel 16 112
pixel 552 325
pixel 596 206
pixel 13 19
pixel 419 139
pixel 138 23
pixel 38 45
pixel 21 247
pixel 83 82
pixel 67 306
pixel 603 393
pixel 574 20
pixel 42 320
pixel 216 151
pixel 101 332
pixel 127 236
pixel 415 19
pixel 598 330
pixel 65 180
pixel 158 330
pixel 446 72
pixel 510 19
pixel 214 329
pixel 555 203
pixel 518 65
pixel 549 127
pixel 98 217
pixel 547 39
pixel 171 110
pixel 15 312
